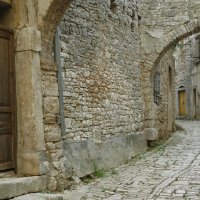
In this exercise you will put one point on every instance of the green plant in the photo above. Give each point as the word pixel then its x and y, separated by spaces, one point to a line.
pixel 99 173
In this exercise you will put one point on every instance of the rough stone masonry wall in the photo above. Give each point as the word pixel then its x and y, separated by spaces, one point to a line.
pixel 162 17
pixel 100 53
pixel 165 114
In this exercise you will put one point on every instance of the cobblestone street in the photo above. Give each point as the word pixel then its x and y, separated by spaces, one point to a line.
pixel 171 171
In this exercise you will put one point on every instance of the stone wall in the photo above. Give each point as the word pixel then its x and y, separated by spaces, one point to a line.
pixel 165 110
pixel 100 52
pixel 159 18
pixel 103 102
pixel 104 77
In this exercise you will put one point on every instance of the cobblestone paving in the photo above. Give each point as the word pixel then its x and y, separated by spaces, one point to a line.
pixel 169 172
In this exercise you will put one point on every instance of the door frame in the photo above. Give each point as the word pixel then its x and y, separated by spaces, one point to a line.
pixel 8 31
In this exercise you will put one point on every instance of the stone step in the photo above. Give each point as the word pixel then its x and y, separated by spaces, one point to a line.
pixel 13 187
pixel 40 197
pixel 66 195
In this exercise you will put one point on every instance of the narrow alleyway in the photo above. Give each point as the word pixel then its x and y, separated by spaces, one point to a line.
pixel 171 171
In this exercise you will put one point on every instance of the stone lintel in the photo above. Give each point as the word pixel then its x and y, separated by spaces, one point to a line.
pixel 30 164
pixel 28 39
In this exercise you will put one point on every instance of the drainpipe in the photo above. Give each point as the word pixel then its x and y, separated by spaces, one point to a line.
pixel 60 81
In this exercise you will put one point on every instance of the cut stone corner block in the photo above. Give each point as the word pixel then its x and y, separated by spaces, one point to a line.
pixel 28 39
pixel 32 165
pixel 151 134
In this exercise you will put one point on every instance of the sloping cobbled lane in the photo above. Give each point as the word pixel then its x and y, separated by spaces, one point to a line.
pixel 169 172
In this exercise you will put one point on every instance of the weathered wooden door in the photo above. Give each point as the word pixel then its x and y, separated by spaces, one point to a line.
pixel 7 101
pixel 182 103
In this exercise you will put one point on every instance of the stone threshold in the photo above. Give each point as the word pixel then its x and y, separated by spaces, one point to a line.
pixel 66 195
pixel 17 186
pixel 40 196
pixel 7 174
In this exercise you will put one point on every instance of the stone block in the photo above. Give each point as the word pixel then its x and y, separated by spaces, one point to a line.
pixel 13 187
pixel 53 134
pixel 85 157
pixel 30 164
pixel 51 105
pixel 27 39
pixel 151 134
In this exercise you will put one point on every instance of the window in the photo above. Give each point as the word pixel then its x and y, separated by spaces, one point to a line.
pixel 156 88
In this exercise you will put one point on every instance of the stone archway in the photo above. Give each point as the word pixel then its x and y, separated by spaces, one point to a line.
pixel 153 59
pixel 33 23
pixel 50 92
pixel 48 25
pixel 32 20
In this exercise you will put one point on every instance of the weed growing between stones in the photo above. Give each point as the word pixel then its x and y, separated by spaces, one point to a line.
pixel 99 173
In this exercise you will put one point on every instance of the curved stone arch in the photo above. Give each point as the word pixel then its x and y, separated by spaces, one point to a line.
pixel 51 20
pixel 152 61
pixel 171 39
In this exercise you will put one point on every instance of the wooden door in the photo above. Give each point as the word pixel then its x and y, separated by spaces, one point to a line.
pixel 7 101
pixel 182 103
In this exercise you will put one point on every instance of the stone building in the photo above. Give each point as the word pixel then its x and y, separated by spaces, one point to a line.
pixel 87 98
pixel 187 78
